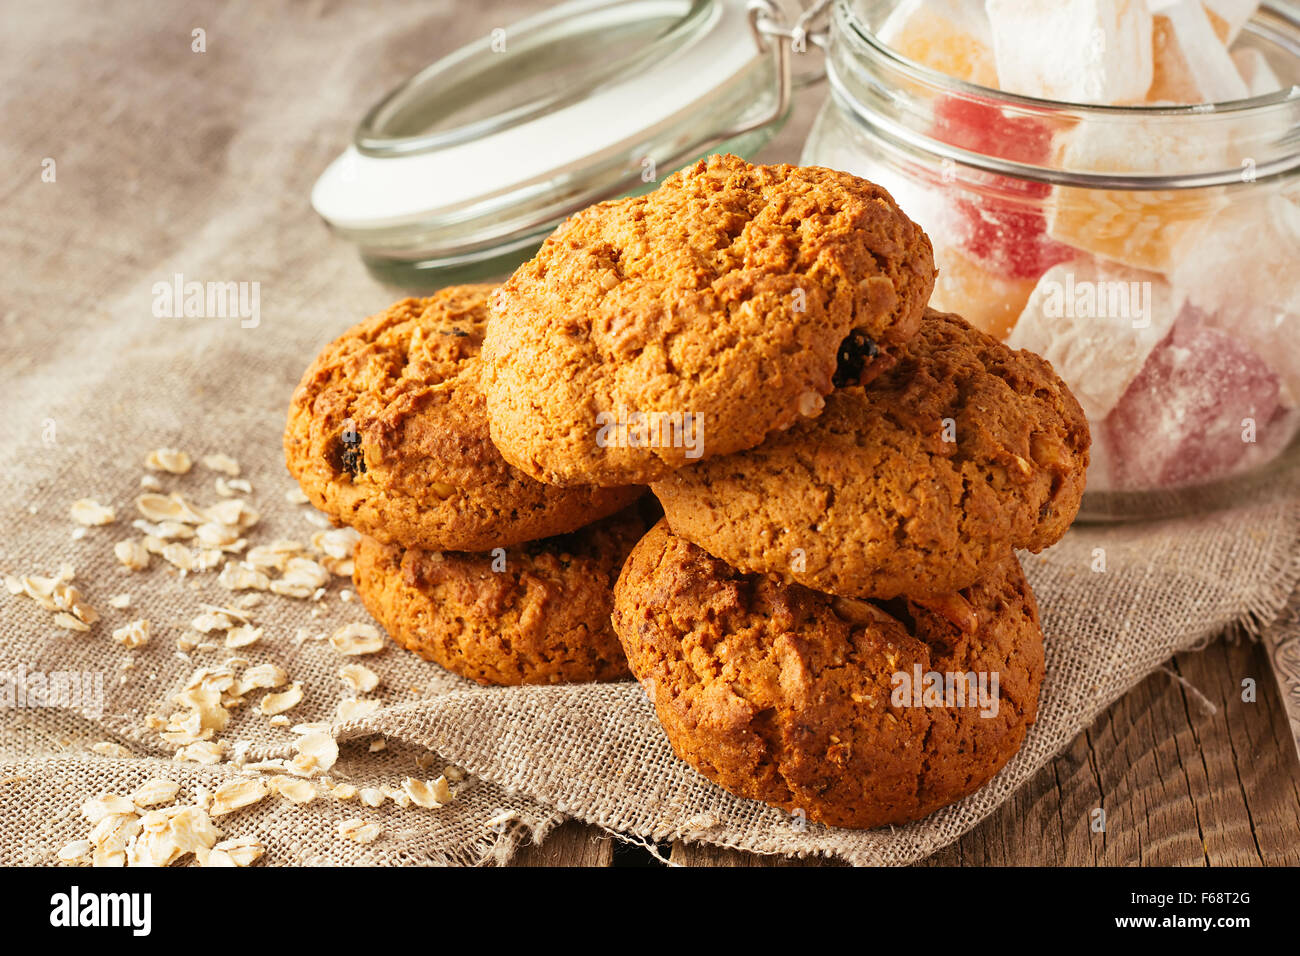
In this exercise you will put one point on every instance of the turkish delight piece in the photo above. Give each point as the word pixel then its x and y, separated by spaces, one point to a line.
pixel 950 36
pixel 1242 274
pixel 1191 64
pixel 989 301
pixel 1007 236
pixel 1204 406
pixel 998 221
pixel 1080 51
pixel 1097 324
pixel 1144 229
pixel 982 126
pixel 1256 72
pixel 1229 16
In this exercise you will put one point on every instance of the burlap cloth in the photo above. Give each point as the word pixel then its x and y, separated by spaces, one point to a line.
pixel 170 161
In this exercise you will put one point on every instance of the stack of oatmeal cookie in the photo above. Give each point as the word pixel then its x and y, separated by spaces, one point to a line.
pixel 830 617
pixel 463 558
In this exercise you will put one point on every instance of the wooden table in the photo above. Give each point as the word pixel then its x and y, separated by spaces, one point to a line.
pixel 1181 786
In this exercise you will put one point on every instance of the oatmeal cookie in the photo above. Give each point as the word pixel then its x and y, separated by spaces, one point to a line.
pixel 651 332
pixel 836 707
pixel 914 484
pixel 537 613
pixel 387 433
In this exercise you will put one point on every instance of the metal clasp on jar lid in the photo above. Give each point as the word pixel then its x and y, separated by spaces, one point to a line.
pixel 464 168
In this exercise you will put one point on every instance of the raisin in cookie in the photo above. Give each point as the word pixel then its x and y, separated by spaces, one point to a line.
pixel 913 484
pixel 825 705
pixel 651 332
pixel 537 613
pixel 387 433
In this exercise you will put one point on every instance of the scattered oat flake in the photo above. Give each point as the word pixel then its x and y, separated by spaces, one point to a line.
pixel 337 542
pixel 378 745
pixel 212 620
pixel 106 804
pixel 75 851
pixel 111 835
pixel 372 796
pixel 263 676
pixel 70 623
pixel 120 601
pixel 242 851
pixel 243 635
pixel 133 635
pixel 222 463
pixel 353 708
pixel 238 576
pixel 159 507
pixel 206 752
pixel 215 535
pixel 427 793
pixel 171 460
pixel 501 819
pixel 359 830
pixel 295 496
pixel 320 748
pixel 293 789
pixel 155 791
pixel 279 703
pixel 344 791
pixel 236 795
pixel 356 639
pixel 179 555
pixel 167 834
pixel 231 487
pixel 163 531
pixel 359 677
pixel 232 511
pixel 301 579
pixel 90 513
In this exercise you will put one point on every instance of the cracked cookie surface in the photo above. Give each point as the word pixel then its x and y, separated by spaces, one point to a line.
pixel 912 484
pixel 540 614
pixel 730 293
pixel 388 433
pixel 783 694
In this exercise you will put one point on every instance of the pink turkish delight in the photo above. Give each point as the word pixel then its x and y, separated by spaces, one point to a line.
pixel 1001 227
pixel 1204 406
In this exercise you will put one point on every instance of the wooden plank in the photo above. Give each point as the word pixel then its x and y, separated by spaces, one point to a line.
pixel 570 844
pixel 701 854
pixel 1180 786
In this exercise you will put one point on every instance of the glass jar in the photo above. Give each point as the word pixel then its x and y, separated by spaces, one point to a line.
pixel 459 173
pixel 1152 254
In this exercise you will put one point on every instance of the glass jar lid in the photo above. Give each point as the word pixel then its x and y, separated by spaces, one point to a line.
pixel 465 167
